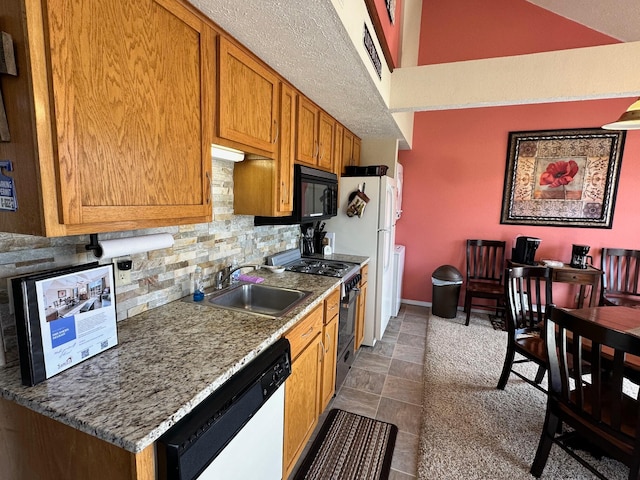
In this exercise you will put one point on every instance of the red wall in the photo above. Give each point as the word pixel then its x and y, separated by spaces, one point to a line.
pixel 456 30
pixel 454 174
pixel 391 31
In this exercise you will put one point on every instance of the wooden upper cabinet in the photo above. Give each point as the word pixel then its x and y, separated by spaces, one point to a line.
pixel 350 150
pixel 307 132
pixel 110 115
pixel 325 141
pixel 287 145
pixel 314 143
pixel 247 101
pixel 264 186
pixel 355 154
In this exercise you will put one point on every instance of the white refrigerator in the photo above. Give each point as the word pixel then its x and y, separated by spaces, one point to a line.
pixel 372 235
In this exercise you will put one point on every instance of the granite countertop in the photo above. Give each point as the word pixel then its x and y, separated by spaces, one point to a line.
pixel 166 362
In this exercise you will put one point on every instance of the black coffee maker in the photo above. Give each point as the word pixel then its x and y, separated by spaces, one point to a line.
pixel 579 256
pixel 525 250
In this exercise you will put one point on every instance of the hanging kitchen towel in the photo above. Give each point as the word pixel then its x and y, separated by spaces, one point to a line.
pixel 357 202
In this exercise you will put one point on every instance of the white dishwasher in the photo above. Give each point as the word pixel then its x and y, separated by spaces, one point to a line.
pixel 398 271
pixel 237 432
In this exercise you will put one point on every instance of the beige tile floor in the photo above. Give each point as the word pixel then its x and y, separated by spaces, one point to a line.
pixel 385 382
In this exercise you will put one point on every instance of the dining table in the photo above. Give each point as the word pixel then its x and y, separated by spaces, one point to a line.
pixel 622 319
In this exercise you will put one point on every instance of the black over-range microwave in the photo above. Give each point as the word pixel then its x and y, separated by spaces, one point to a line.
pixel 315 197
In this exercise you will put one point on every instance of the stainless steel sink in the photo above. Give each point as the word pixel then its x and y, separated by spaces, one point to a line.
pixel 256 298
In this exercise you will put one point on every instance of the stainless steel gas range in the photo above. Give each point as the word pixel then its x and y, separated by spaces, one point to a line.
pixel 350 274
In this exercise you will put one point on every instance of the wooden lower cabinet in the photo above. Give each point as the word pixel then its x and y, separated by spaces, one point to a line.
pixel 330 346
pixel 362 303
pixel 303 387
pixel 35 446
pixel 329 360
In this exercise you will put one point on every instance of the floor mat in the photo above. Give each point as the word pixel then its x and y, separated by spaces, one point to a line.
pixel 350 446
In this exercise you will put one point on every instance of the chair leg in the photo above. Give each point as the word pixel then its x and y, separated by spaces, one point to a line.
pixel 551 425
pixel 540 375
pixel 634 470
pixel 467 309
pixel 506 368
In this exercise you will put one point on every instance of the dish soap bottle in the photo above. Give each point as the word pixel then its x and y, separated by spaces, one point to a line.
pixel 235 276
pixel 198 285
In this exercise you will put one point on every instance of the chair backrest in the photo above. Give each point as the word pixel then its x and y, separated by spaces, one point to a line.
pixel 528 293
pixel 485 260
pixel 599 406
pixel 621 271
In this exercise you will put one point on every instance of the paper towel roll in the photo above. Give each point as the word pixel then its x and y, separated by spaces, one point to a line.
pixel 121 247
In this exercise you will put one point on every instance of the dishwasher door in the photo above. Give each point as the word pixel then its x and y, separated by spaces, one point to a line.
pixel 256 451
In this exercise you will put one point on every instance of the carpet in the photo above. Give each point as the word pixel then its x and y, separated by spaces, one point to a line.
pixel 350 446
pixel 471 430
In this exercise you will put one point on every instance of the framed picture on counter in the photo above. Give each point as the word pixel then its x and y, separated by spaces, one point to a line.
pixel 562 178
pixel 54 336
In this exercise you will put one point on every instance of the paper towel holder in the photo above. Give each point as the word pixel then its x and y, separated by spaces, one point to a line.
pixel 94 245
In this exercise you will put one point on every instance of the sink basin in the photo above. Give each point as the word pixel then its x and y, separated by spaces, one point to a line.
pixel 256 298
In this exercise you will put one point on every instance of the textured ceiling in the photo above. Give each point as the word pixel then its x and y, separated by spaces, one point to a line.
pixel 306 43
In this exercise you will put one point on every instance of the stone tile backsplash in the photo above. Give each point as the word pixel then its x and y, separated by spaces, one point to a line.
pixel 157 277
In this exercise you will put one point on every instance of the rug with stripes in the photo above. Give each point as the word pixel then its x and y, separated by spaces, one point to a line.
pixel 350 446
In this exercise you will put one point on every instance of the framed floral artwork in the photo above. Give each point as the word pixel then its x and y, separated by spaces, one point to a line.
pixel 564 178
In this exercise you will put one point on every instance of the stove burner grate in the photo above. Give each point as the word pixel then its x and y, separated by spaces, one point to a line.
pixel 320 267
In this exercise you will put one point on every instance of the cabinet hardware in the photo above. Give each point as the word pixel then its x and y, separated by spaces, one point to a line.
pixel 208 194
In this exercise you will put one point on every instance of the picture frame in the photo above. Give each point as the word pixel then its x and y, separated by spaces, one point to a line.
pixel 562 178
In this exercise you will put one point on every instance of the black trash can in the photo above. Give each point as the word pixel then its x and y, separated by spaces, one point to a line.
pixel 447 281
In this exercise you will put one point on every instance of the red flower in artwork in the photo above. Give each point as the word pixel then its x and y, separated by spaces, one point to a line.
pixel 559 173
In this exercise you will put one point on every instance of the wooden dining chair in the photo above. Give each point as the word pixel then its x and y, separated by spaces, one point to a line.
pixel 485 267
pixel 620 278
pixel 528 294
pixel 598 411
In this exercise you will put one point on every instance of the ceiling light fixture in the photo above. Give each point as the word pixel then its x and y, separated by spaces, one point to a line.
pixel 630 120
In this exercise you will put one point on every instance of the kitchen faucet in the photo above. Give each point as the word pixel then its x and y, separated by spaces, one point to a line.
pixel 224 275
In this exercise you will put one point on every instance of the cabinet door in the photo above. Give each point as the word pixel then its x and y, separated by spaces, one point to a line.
pixel 362 302
pixel 347 149
pixel 307 133
pixel 325 142
pixel 133 121
pixel 355 154
pixel 329 359
pixel 287 149
pixel 302 403
pixel 247 100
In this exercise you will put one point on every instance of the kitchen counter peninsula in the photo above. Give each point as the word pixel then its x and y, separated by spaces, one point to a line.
pixel 166 362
